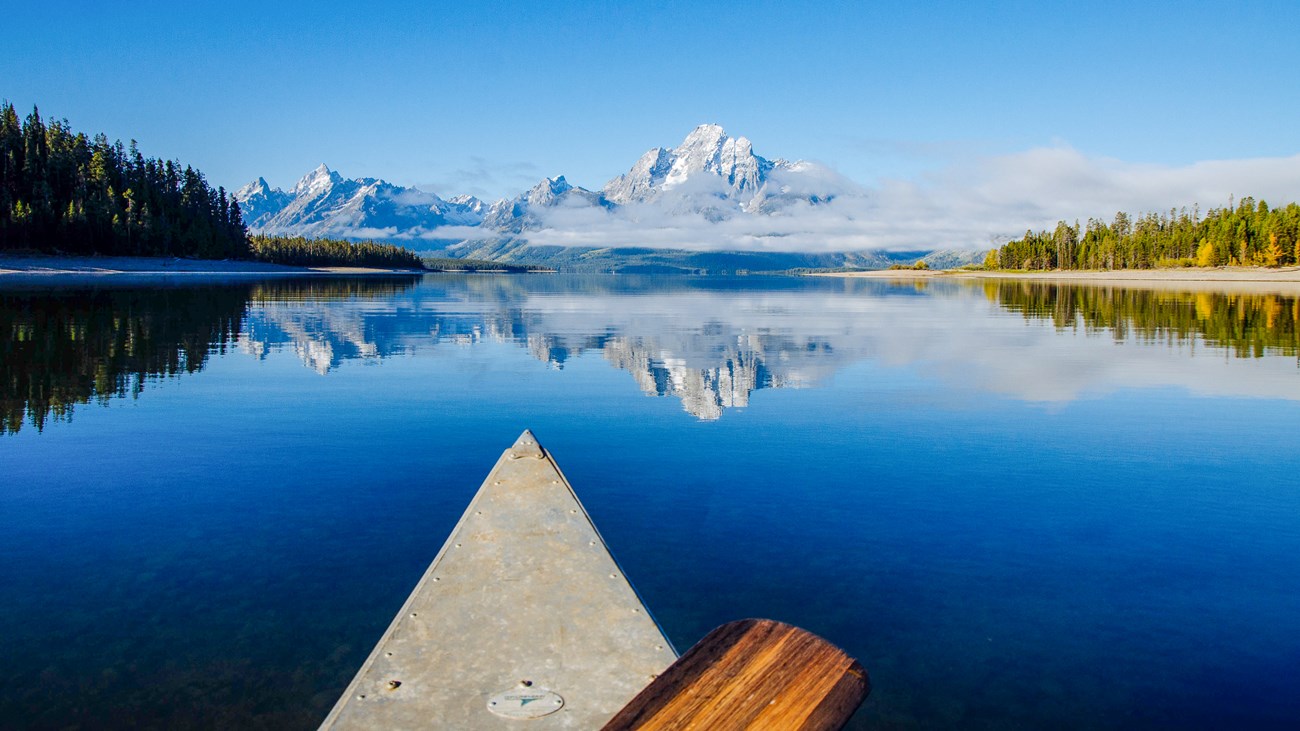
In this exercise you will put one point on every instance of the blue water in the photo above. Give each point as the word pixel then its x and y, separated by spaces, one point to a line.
pixel 1012 521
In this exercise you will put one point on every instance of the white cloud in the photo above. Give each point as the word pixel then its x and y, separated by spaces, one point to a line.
pixel 970 204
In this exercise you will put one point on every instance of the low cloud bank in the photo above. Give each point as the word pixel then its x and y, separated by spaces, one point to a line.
pixel 971 205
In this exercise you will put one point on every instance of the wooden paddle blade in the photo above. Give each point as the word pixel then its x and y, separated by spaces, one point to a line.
pixel 754 674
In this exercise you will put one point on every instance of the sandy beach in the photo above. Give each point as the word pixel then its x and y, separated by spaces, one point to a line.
pixel 1285 280
pixel 108 265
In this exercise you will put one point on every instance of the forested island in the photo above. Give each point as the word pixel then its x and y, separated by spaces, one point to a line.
pixel 1247 234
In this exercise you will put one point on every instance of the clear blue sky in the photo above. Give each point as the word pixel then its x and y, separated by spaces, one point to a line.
pixel 488 97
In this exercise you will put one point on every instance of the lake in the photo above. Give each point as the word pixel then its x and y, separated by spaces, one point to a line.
pixel 1020 505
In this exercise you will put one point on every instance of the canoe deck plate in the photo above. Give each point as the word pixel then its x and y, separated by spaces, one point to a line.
pixel 524 702
pixel 524 608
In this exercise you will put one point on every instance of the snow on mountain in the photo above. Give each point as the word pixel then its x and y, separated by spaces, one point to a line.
pixel 324 203
pixel 707 151
pixel 258 202
pixel 710 175
pixel 527 210
pixel 712 192
pixel 714 174
pixel 469 203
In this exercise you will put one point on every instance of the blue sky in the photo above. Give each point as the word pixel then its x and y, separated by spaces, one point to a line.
pixel 489 97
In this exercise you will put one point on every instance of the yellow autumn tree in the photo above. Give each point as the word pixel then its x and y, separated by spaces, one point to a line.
pixel 1205 255
pixel 1273 253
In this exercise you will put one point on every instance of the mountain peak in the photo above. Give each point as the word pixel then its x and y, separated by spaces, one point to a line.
pixel 317 181
pixel 547 191
pixel 257 187
pixel 705 135
pixel 707 154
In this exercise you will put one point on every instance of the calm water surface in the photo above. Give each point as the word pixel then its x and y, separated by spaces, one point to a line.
pixel 1022 506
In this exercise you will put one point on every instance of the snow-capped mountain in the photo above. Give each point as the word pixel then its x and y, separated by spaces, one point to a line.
pixel 524 210
pixel 324 203
pixel 710 174
pixel 719 176
pixel 726 165
pixel 709 204
pixel 259 202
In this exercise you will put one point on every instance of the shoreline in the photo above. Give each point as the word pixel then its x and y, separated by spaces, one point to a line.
pixel 52 265
pixel 1285 280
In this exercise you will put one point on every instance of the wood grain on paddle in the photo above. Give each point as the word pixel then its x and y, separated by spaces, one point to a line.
pixel 754 674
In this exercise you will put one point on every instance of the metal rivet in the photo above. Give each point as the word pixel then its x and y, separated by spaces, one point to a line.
pixel 659 647
pixel 591 543
pixel 394 684
pixel 478 512
pixel 573 511
pixel 362 696
pixel 558 701
pixel 496 482
pixel 458 545
pixel 526 683
pixel 388 654
pixel 437 578
pixel 613 576
pixel 414 614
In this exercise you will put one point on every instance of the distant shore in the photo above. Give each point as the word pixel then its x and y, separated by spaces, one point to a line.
pixel 107 265
pixel 1285 280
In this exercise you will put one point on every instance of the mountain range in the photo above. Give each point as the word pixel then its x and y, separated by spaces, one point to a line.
pixel 711 178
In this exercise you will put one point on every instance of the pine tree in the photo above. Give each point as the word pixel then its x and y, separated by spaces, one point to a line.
pixel 63 191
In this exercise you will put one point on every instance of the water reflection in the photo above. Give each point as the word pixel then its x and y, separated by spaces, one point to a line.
pixel 64 346
pixel 707 342
pixel 711 343
pixel 1247 324
pixel 69 347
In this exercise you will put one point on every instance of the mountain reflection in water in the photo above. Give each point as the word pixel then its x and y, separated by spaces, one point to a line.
pixel 710 342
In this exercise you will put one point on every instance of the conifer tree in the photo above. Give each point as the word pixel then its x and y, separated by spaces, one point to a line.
pixel 61 191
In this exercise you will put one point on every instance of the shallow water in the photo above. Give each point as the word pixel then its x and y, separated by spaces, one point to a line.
pixel 1020 505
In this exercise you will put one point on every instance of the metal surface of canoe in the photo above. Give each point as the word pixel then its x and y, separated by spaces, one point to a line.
pixel 523 614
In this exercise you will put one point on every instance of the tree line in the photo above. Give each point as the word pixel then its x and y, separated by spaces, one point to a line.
pixel 302 251
pixel 1247 234
pixel 447 264
pixel 64 192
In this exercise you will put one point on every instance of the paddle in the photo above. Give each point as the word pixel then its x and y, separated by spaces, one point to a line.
pixel 753 674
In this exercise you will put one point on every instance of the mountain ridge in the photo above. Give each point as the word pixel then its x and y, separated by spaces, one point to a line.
pixel 710 178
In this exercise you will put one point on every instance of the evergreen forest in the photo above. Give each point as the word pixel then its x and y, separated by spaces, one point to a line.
pixel 302 251
pixel 64 192
pixel 1247 234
